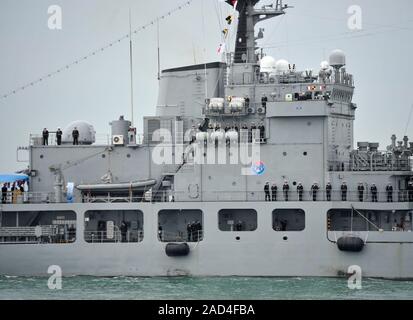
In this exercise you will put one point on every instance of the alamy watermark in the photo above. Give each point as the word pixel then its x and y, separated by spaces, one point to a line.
pixel 354 281
pixel 55 20
pixel 210 147
pixel 55 280
pixel 355 21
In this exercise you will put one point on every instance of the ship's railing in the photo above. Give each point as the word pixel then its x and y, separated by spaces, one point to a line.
pixel 375 165
pixel 18 197
pixel 225 196
pixel 306 195
pixel 184 236
pixel 35 235
pixel 113 237
pixel 100 139
pixel 114 199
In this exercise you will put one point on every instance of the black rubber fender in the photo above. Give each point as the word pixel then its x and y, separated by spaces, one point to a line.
pixel 177 249
pixel 350 244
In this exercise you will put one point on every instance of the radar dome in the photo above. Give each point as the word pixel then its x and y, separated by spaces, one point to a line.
pixel 86 133
pixel 337 59
pixel 324 65
pixel 267 64
pixel 282 66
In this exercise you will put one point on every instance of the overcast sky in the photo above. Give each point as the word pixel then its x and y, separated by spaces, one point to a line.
pixel 97 90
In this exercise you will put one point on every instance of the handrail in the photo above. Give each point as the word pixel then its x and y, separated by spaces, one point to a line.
pixel 181 236
pixel 100 139
pixel 162 196
pixel 96 236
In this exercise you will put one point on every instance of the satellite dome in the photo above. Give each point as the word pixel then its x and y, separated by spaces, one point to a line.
pixel 86 133
pixel 324 65
pixel 282 66
pixel 337 59
pixel 267 64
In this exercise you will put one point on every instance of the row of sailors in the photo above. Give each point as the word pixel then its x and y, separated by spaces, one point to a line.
pixel 59 134
pixel 271 192
pixel 11 191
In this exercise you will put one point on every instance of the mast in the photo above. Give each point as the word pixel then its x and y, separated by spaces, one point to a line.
pixel 245 43
pixel 131 66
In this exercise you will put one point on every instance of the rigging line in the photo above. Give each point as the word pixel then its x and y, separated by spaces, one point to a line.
pixel 274 30
pixel 95 52
pixel 205 58
pixel 368 24
pixel 408 120
pixel 219 16
pixel 350 34
pixel 359 213
pixel 342 36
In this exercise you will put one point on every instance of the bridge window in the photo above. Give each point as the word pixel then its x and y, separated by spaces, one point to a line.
pixel 369 220
pixel 237 220
pixel 180 226
pixel 113 226
pixel 37 227
pixel 288 220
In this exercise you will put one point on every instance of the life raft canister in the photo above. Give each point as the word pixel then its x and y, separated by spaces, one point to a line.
pixel 350 244
pixel 177 249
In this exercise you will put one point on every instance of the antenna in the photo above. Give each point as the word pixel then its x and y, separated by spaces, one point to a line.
pixel 159 52
pixel 131 65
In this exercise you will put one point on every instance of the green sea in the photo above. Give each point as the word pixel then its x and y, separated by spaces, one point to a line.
pixel 207 288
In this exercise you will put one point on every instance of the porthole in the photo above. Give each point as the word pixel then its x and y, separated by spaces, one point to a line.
pixel 285 238
pixel 305 153
pixel 41 156
pixel 103 156
pixel 238 238
pixel 128 156
pixel 284 154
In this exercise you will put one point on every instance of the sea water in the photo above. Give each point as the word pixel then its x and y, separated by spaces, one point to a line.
pixel 205 288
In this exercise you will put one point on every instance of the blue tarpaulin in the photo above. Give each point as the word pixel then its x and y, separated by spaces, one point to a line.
pixel 10 178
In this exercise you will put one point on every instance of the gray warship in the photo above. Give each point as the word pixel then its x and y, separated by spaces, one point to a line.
pixel 180 200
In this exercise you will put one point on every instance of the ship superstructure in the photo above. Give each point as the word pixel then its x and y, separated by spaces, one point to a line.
pixel 180 199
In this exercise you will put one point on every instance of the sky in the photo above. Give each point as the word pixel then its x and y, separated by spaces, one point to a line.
pixel 98 89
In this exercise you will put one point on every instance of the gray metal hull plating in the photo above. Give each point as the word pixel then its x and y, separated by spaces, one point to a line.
pixel 264 252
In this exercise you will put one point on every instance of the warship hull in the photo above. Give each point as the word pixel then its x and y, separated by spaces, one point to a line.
pixel 263 252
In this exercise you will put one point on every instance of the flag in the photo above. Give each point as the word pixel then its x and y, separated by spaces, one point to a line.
pixel 225 32
pixel 235 3
pixel 229 19
pixel 221 48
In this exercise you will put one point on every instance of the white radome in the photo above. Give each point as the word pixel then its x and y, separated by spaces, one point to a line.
pixel 87 133
pixel 324 65
pixel 282 66
pixel 337 59
pixel 267 64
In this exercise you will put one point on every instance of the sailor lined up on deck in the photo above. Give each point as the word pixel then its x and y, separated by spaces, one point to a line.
pixel 59 135
pixel 75 135
pixel 45 136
